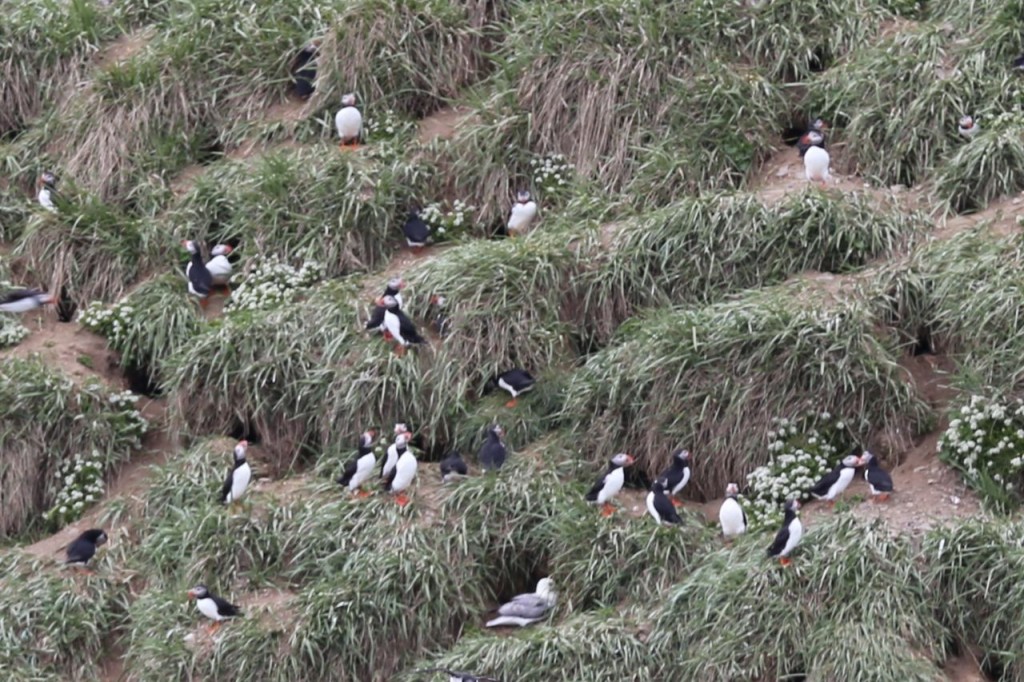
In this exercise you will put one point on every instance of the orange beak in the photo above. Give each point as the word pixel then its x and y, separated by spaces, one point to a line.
pixel 629 460
pixel 191 594
pixel 227 249
pixel 433 300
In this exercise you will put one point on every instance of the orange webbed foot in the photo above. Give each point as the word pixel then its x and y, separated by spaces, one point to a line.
pixel 512 403
pixel 784 561
pixel 402 499
pixel 607 510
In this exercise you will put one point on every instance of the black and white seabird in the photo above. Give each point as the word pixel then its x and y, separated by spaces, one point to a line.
pixel 200 281
pixel 836 481
pixel 527 608
pixel 47 191
pixel 83 548
pixel 515 382
pixel 23 300
pixel 878 478
pixel 220 267
pixel 393 288
pixel 807 140
pixel 677 475
pixel 453 467
pixel 789 535
pixel 304 70
pixel 349 122
pixel 968 127
pixel 402 475
pixel 238 477
pixel 456 676
pixel 212 606
pixel 398 326
pixel 416 231
pixel 395 450
pixel 360 468
pixel 660 507
pixel 1018 63
pixel 523 213
pixel 610 483
pixel 493 452
pixel 731 516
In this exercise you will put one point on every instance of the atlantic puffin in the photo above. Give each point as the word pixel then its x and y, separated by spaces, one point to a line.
pixel 816 159
pixel 200 281
pixel 524 609
pixel 47 189
pixel 83 548
pixel 24 300
pixel 212 606
pixel 456 676
pixel 610 483
pixel 453 467
pixel 238 477
pixel 515 382
pixel 401 476
pixel 878 478
pixel 660 507
pixel 806 141
pixel 360 468
pixel 416 231
pixel 731 516
pixel 968 127
pixel 220 267
pixel 438 316
pixel 395 450
pixel 493 452
pixel 524 210
pixel 832 484
pixel 393 288
pixel 349 122
pixel 400 327
pixel 677 475
pixel 789 535
pixel 304 70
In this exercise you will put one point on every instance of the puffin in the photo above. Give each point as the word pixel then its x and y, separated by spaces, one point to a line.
pixel 395 450
pixel 806 141
pixel 83 548
pixel 660 507
pixel 878 478
pixel 394 289
pixel 238 477
pixel 610 483
pixel 304 70
pixel 349 122
pixel 515 381
pixel 453 467
pixel 47 189
pixel 438 318
pixel 400 327
pixel 524 210
pixel 220 267
pixel 416 231
pixel 360 468
pixel 677 475
pixel 493 452
pixel 212 606
pixel 968 127
pixel 200 281
pixel 401 476
pixel 24 300
pixel 832 484
pixel 789 535
pixel 731 516
pixel 527 608
pixel 816 159
pixel 456 676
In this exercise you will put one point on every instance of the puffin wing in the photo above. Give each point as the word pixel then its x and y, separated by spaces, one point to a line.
pixel 350 471
pixel 225 608
pixel 19 295
pixel 525 606
pixel 827 481
pixel 879 479
pixel 408 329
pixel 596 488
pixel 665 509
pixel 376 320
pixel 416 230
pixel 226 488
pixel 80 551
pixel 199 276
pixel 781 539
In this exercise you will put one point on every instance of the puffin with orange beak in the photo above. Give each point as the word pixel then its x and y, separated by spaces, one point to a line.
pixel 200 281
pixel 677 475
pixel 400 327
pixel 376 322
pixel 789 535
pixel 610 483
pixel 24 300
pixel 360 468
pixel 212 606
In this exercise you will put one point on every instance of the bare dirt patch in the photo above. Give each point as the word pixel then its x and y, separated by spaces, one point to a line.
pixel 124 48
pixel 67 347
pixel 443 123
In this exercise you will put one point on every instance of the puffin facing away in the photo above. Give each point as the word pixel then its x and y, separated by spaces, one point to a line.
pixel 660 507
pixel 456 676
pixel 677 475
pixel 24 300
pixel 239 476
pixel 816 159
pixel 789 535
pixel 400 327
pixel 360 468
pixel 878 478
pixel 47 190
pixel 836 481
pixel 220 267
pixel 212 606
pixel 731 516
pixel 968 127
pixel 401 476
pixel 453 467
pixel 83 548
pixel 806 141
pixel 416 231
pixel 493 452
pixel 609 485
pixel 349 122
pixel 527 608
pixel 200 281
pixel 515 382
pixel 524 210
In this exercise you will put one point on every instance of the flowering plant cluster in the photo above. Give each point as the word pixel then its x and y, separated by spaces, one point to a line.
pixel 127 422
pixel 802 451
pixel 385 125
pixel 985 441
pixel 448 225
pixel 81 484
pixel 271 283
pixel 551 174
pixel 113 322
pixel 11 331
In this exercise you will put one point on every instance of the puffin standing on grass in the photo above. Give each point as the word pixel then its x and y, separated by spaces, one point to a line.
pixel 393 288
pixel 200 281
pixel 360 468
pixel 836 481
pixel 238 478
pixel 677 475
pixel 212 606
pixel 731 516
pixel 514 382
pixel 349 122
pixel 24 300
pixel 527 608
pixel 968 127
pixel 453 467
pixel 402 475
pixel 816 159
pixel 789 535
pixel 660 507
pixel 416 231
pixel 493 452
pixel 47 189
pixel 395 450
pixel 400 327
pixel 220 267
pixel 878 478
pixel 524 210
pixel 609 485
pixel 83 548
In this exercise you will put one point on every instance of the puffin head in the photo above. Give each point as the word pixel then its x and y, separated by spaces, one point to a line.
pixel 240 449
pixel 867 458
pixel 966 121
pixel 623 460
pixel 48 179
pixel 851 461
pixel 731 490
pixel 368 435
pixel 198 592
pixel 396 283
pixel 46 299
pixel 820 125
pixel 221 250
pixel 389 302
pixel 348 100
pixel 683 456
pixel 401 440
pixel 96 536
pixel 815 137
pixel 522 196
pixel 438 300
pixel 189 244
pixel 497 430
pixel 659 485
pixel 792 505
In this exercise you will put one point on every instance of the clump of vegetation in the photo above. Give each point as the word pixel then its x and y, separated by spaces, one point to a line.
pixel 450 225
pixel 991 165
pixel 271 282
pixel 12 332
pixel 81 485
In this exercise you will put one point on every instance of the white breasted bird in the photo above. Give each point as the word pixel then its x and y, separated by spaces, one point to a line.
pixel 349 122
pixel 968 127
pixel 212 606
pixel 832 484
pixel 610 483
pixel 816 160
pixel 660 507
pixel 879 480
pixel 360 468
pixel 24 300
pixel 523 213
pixel 731 516
pixel 237 481
pixel 789 534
